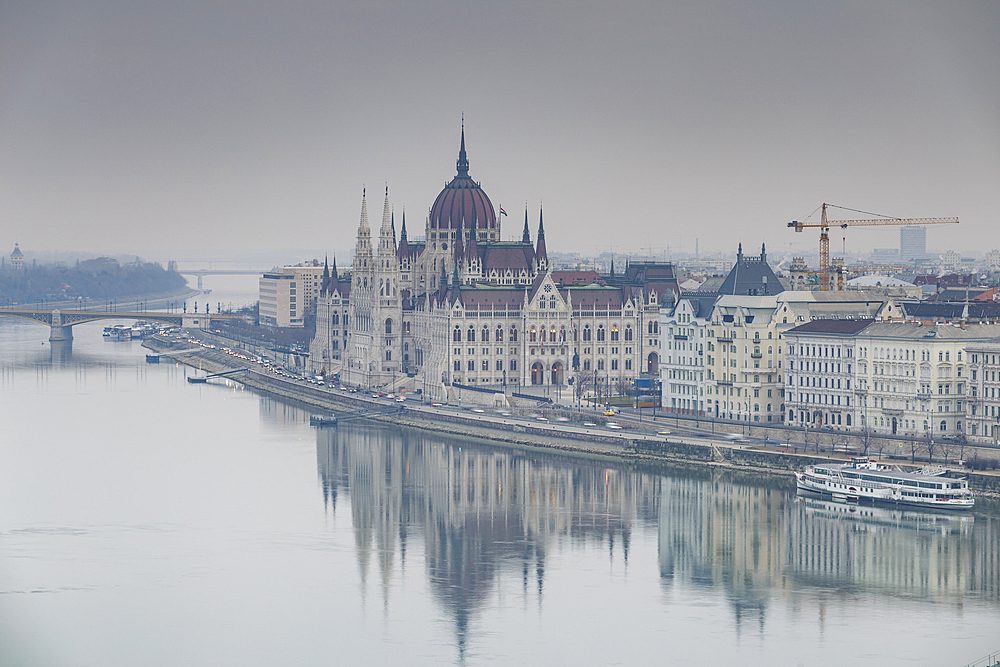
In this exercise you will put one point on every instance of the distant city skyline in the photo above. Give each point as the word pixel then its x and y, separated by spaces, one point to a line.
pixel 152 129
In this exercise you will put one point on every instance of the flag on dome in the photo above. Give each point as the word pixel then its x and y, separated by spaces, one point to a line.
pixel 502 212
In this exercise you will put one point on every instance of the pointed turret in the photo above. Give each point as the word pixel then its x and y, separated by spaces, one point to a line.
pixel 403 251
pixel 540 255
pixel 612 267
pixel 526 235
pixel 462 165
pixel 334 278
pixel 763 253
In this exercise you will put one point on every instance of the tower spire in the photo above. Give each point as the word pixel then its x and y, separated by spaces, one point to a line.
pixel 526 235
pixel 463 161
pixel 541 256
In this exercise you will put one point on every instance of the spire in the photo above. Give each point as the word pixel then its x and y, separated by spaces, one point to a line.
pixel 386 215
pixel 612 266
pixel 526 235
pixel 463 162
pixel 404 248
pixel 472 254
pixel 763 253
pixel 363 227
pixel 739 253
pixel 540 255
pixel 326 268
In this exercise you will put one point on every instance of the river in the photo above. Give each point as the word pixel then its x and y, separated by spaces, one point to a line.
pixel 144 520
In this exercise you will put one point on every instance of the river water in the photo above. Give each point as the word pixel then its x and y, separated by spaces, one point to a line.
pixel 144 520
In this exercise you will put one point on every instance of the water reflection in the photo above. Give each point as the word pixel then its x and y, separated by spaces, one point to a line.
pixel 61 352
pixel 479 510
pixel 484 513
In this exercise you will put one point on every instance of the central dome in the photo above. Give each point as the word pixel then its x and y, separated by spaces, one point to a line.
pixel 462 203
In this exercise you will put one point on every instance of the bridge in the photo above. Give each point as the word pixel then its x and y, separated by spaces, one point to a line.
pixel 60 322
pixel 201 273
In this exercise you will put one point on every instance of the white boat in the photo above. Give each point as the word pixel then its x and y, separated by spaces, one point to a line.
pixel 865 479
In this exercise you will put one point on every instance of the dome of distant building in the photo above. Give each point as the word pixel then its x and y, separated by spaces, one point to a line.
pixel 463 203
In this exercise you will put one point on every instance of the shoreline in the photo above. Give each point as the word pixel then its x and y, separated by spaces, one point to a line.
pixel 566 440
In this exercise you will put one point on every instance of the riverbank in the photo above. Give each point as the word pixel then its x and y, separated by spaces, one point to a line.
pixel 530 433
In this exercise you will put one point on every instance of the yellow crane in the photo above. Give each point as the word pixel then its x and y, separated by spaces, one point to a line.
pixel 824 231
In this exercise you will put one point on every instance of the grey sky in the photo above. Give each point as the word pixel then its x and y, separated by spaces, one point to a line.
pixel 155 127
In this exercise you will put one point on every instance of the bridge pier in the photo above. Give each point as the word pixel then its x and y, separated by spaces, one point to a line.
pixel 199 282
pixel 59 333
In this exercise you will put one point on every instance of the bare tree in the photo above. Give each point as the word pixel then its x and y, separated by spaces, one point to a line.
pixel 866 438
pixel 622 386
pixel 585 381
pixel 930 447
pixel 914 446
pixel 877 444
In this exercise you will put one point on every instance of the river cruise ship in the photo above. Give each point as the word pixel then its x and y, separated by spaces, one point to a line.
pixel 864 479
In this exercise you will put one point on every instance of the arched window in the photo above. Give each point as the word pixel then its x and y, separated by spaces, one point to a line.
pixel 944 425
pixel 552 335
pixel 586 334
pixel 513 334
pixel 614 333
pixel 471 335
pixel 628 333
pixel 562 334
pixel 486 334
pixel 499 334
pixel 456 335
pixel 650 327
pixel 388 326
pixel 600 333
pixel 533 335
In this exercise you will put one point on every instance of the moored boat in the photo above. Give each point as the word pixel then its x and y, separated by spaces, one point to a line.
pixel 864 479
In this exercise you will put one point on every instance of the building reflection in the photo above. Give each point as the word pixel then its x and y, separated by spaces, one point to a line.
pixel 482 512
pixel 484 517
pixel 758 543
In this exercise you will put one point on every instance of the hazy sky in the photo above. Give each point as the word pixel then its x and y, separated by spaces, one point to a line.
pixel 228 127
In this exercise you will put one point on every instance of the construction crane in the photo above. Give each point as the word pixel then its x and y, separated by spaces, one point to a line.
pixel 824 231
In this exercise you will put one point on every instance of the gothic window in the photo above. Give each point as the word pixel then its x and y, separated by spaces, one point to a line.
pixel 336 318
pixel 457 365
pixel 499 364
pixel 471 336
pixel 586 333
pixel 456 335
pixel 614 333
pixel 628 333
pixel 600 364
pixel 472 365
pixel 513 334
pixel 532 335
pixel 486 364
pixel 513 364
pixel 552 335
pixel 628 364
pixel 586 364
pixel 614 364
pixel 388 326
pixel 388 355
pixel 650 327
pixel 486 333
pixel 499 334
pixel 562 334
pixel 600 333
pixel 552 302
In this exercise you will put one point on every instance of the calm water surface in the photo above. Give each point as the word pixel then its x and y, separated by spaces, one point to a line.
pixel 147 521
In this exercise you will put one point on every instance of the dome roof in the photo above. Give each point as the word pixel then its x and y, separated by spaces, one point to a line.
pixel 463 203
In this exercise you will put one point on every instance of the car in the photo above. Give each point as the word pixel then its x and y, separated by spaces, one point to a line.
pixel 826 427
pixel 614 427
pixel 663 433
pixel 437 405
pixel 478 411
pixel 588 424
pixel 391 396
pixel 609 413
pixel 542 419
pixel 400 399
pixel 562 419
pixel 953 437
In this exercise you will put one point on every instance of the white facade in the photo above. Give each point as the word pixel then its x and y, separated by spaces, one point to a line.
pixel 279 300
pixel 982 405
pixel 682 357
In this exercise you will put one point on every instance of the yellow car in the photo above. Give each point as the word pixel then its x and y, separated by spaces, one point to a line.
pixel 609 413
